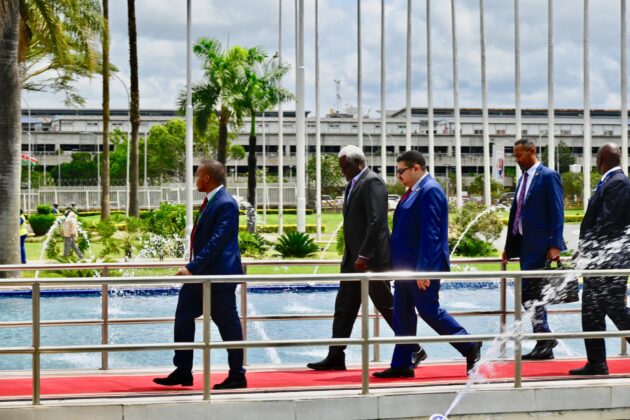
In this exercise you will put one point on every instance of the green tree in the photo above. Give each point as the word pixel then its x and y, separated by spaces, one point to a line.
pixel 261 92
pixel 476 187
pixel 332 178
pixel 10 133
pixel 118 157
pixel 82 167
pixel 564 157
pixel 219 91
pixel 167 139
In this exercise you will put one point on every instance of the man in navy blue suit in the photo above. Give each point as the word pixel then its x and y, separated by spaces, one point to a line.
pixel 214 250
pixel 535 234
pixel 603 245
pixel 419 242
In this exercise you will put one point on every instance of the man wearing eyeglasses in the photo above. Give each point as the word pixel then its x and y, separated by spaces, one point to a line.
pixel 366 240
pixel 419 242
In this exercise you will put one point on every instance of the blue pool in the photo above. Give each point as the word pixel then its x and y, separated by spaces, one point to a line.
pixel 16 308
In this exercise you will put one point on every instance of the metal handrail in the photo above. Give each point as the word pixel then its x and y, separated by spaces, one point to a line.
pixel 36 349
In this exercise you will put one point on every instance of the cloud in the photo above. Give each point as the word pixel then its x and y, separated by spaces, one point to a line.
pixel 161 27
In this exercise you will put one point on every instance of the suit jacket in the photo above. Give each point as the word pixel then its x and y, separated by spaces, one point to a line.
pixel 365 227
pixel 215 243
pixel 542 218
pixel 606 220
pixel 420 234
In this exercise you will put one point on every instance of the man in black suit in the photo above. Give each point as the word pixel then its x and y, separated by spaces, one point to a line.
pixel 366 237
pixel 603 245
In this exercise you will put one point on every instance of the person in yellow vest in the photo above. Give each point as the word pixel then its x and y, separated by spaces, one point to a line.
pixel 23 235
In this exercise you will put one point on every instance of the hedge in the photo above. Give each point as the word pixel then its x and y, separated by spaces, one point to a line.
pixel 41 223
pixel 275 211
pixel 273 228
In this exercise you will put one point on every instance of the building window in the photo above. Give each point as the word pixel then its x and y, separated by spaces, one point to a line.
pixel 565 132
pixel 524 132
pixel 478 131
pixel 500 132
pixel 608 132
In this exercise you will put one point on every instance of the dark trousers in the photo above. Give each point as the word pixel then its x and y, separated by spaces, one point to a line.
pixel 530 298
pixel 407 299
pixel 224 314
pixel 23 248
pixel 348 303
pixel 603 296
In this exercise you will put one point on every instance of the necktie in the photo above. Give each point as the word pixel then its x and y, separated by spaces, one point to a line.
pixel 519 205
pixel 599 184
pixel 405 195
pixel 194 229
pixel 354 181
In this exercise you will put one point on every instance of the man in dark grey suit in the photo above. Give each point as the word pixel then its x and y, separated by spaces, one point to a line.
pixel 604 245
pixel 366 237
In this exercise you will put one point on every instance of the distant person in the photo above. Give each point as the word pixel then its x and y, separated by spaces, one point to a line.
pixel 23 235
pixel 366 240
pixel 419 242
pixel 73 206
pixel 534 234
pixel 55 209
pixel 606 222
pixel 69 232
pixel 214 250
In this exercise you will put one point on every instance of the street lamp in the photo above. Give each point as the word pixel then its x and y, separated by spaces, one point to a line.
pixel 128 135
pixel 28 199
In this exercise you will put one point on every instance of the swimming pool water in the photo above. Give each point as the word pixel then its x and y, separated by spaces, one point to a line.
pixel 129 306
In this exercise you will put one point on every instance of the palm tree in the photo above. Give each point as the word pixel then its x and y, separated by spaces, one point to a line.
pixel 10 129
pixel 58 38
pixel 219 92
pixel 134 173
pixel 105 178
pixel 261 92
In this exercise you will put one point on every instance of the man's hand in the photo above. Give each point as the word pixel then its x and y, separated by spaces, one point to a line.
pixel 504 257
pixel 553 254
pixel 423 284
pixel 361 264
pixel 183 272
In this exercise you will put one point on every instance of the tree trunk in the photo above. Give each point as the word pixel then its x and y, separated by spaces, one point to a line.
pixel 134 173
pixel 251 176
pixel 105 175
pixel 10 135
pixel 223 135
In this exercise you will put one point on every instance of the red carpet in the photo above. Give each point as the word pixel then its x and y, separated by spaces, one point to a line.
pixel 282 380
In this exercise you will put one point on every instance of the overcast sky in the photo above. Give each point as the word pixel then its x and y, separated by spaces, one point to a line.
pixel 161 26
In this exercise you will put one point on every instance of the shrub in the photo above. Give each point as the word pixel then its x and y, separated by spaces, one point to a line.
pixel 273 228
pixel 41 223
pixel 252 244
pixel 471 246
pixel 44 209
pixel 296 244
pixel 341 242
pixel 168 220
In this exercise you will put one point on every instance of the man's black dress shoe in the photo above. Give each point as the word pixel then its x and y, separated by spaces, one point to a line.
pixel 473 356
pixel 591 369
pixel 395 373
pixel 232 382
pixel 418 357
pixel 177 377
pixel 329 363
pixel 542 351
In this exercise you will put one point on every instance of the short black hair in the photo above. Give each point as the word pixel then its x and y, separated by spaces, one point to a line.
pixel 215 169
pixel 412 157
pixel 525 143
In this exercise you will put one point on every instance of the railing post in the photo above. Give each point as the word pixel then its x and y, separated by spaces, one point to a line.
pixel 518 329
pixel 36 343
pixel 365 335
pixel 377 333
pixel 503 309
pixel 105 319
pixel 244 313
pixel 206 339
pixel 624 344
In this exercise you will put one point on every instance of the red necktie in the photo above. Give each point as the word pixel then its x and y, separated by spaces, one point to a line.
pixel 405 195
pixel 194 229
